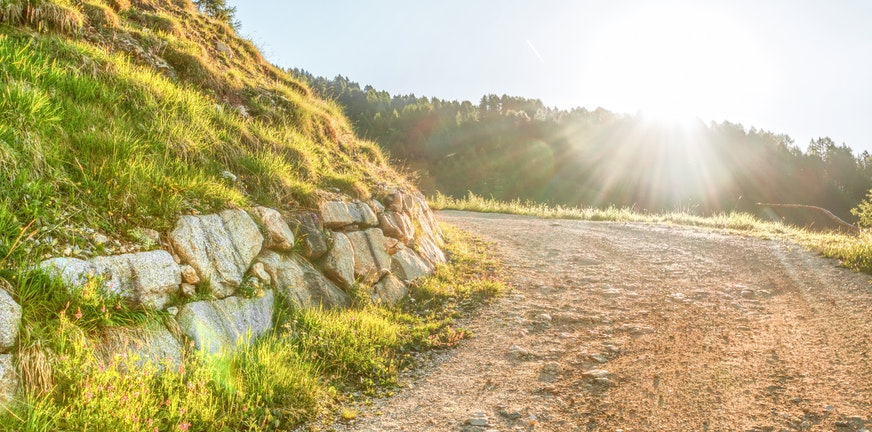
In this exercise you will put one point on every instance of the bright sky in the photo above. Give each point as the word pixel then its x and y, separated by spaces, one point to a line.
pixel 788 66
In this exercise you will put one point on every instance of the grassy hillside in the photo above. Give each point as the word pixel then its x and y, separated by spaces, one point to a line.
pixel 117 116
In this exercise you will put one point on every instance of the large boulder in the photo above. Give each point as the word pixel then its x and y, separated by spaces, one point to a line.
pixel 397 225
pixel 339 214
pixel 427 248
pixel 309 227
pixel 219 246
pixel 72 271
pixel 407 265
pixel 10 318
pixel 8 380
pixel 338 265
pixel 371 260
pixel 151 344
pixel 148 278
pixel 389 290
pixel 297 281
pixel 279 234
pixel 336 214
pixel 221 325
pixel 427 225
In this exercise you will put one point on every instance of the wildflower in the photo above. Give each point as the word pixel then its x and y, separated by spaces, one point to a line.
pixel 184 426
pixel 103 309
pixel 78 313
pixel 182 411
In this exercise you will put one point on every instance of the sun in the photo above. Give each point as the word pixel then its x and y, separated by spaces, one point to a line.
pixel 677 62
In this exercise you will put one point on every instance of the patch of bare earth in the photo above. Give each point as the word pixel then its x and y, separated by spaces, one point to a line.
pixel 635 327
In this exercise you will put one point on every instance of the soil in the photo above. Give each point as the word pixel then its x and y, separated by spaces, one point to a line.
pixel 614 326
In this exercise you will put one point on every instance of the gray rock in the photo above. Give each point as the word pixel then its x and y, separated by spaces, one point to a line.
pixel 8 380
pixel 376 206
pixel 72 271
pixel 407 265
pixel 188 290
pixel 152 344
pixel 221 325
pixel 10 318
pixel 296 280
pixel 309 227
pixel 339 214
pixel 279 234
pixel 399 201
pixel 338 265
pixel 223 49
pixel 220 247
pixel 371 260
pixel 336 214
pixel 363 214
pixel 389 290
pixel 427 248
pixel 149 278
pixel 397 225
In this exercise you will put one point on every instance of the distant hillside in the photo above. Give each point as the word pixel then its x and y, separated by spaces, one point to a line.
pixel 120 115
pixel 511 147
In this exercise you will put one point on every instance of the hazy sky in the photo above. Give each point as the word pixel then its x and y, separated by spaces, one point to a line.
pixel 798 67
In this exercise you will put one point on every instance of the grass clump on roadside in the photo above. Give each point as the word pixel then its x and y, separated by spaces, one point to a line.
pixel 302 370
pixel 853 251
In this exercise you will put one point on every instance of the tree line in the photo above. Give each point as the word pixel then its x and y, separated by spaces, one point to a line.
pixel 517 148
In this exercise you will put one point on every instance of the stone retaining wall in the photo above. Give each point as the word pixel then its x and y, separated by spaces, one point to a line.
pixel 310 259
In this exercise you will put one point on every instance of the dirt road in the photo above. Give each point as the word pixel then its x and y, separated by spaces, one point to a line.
pixel 632 327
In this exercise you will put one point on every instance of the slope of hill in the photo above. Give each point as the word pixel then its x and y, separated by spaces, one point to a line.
pixel 120 115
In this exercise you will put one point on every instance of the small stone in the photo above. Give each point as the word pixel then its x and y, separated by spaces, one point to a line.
pixel 172 310
pixel 552 368
pixel 595 373
pixel 258 271
pixel 518 353
pixel 188 290
pixel 611 292
pixel 100 239
pixel 151 235
pixel 189 275
pixel 511 413
pixel 227 175
pixel 477 418
pixel 599 358
pixel 544 317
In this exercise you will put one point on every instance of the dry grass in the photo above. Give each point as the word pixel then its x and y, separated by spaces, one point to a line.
pixel 35 369
pixel 100 15
pixel 44 16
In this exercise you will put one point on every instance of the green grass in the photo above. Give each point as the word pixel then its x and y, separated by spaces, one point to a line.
pixel 92 136
pixel 854 252
pixel 302 370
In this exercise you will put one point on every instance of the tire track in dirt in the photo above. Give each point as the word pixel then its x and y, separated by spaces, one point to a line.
pixel 636 327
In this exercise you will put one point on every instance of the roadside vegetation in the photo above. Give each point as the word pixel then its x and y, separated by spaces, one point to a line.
pixel 853 251
pixel 313 362
pixel 117 116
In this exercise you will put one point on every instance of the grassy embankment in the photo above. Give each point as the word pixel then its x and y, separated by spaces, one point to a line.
pixel 121 115
pixel 307 367
pixel 854 251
